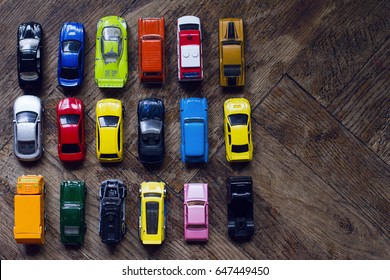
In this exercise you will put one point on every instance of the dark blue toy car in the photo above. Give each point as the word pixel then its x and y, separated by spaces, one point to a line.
pixel 71 54
pixel 151 145
pixel 194 130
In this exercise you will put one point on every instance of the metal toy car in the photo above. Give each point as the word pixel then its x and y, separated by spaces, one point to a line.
pixel 72 212
pixel 29 52
pixel 240 207
pixel 189 49
pixel 111 66
pixel 28 128
pixel 70 121
pixel 151 53
pixel 152 217
pixel 194 130
pixel 231 52
pixel 70 71
pixel 151 147
pixel 196 213
pixel 109 130
pixel 112 226
pixel 238 133
pixel 29 207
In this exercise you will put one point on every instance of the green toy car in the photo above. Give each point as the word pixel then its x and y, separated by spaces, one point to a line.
pixel 111 66
pixel 72 212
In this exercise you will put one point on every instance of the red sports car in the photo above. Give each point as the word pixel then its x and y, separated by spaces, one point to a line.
pixel 71 140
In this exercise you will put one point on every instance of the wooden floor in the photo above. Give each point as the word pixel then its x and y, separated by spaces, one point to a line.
pixel 318 79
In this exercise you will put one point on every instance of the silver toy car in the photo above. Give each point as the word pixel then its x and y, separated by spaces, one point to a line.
pixel 28 128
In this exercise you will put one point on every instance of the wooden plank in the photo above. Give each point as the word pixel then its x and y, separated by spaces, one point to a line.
pixel 364 106
pixel 350 36
pixel 330 150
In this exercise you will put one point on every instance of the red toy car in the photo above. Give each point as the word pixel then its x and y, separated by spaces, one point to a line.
pixel 71 139
pixel 189 49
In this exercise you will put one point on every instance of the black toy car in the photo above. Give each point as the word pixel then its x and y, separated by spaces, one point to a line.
pixel 151 147
pixel 112 225
pixel 240 207
pixel 30 56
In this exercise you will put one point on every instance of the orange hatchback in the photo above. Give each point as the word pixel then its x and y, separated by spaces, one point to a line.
pixel 151 54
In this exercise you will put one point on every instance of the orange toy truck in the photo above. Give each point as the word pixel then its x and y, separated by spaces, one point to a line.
pixel 29 210
pixel 151 54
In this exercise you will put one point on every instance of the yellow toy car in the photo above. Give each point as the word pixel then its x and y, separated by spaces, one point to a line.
pixel 109 130
pixel 238 133
pixel 152 214
pixel 111 66
pixel 231 52
pixel 29 207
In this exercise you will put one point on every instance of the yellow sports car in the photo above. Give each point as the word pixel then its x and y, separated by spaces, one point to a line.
pixel 111 67
pixel 238 133
pixel 152 214
pixel 231 52
pixel 109 130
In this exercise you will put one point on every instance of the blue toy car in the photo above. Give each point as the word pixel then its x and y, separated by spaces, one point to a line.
pixel 71 54
pixel 194 130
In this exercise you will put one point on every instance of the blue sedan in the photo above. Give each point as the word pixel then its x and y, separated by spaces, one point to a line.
pixel 194 130
pixel 71 54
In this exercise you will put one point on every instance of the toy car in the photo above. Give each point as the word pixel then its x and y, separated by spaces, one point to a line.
pixel 111 66
pixel 231 52
pixel 112 226
pixel 189 49
pixel 196 212
pixel 151 53
pixel 72 212
pixel 240 207
pixel 238 133
pixel 29 207
pixel 151 147
pixel 194 130
pixel 70 121
pixel 109 130
pixel 30 56
pixel 28 128
pixel 71 55
pixel 152 215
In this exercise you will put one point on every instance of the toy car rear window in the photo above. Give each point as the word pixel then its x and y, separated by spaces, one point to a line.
pixel 232 70
pixel 70 148
pixel 108 121
pixel 69 73
pixel 151 217
pixel 72 230
pixel 240 148
pixel 26 147
pixel 26 117
pixel 238 119
pixel 151 126
pixel 71 46
pixel 69 119
pixel 189 26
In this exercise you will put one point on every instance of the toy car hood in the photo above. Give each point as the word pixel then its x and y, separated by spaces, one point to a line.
pixel 70 106
pixel 27 103
pixel 188 20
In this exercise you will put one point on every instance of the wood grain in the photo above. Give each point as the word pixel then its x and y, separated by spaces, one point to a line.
pixel 364 106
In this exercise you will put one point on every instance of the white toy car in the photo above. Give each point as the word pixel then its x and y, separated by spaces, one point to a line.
pixel 189 49
pixel 28 128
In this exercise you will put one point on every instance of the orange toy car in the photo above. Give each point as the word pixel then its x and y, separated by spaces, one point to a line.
pixel 29 210
pixel 151 54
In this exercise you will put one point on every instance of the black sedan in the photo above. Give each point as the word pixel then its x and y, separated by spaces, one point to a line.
pixel 240 207
pixel 30 56
pixel 151 147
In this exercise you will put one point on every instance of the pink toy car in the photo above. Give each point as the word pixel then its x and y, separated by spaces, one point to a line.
pixel 196 208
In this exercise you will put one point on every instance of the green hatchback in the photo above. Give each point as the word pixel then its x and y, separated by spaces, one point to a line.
pixel 72 212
